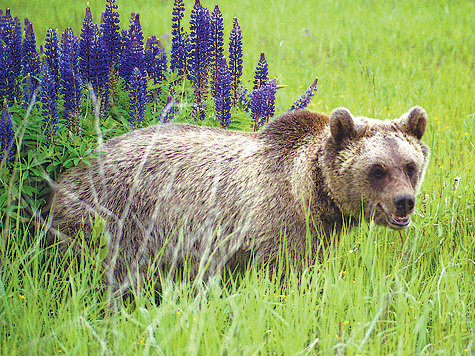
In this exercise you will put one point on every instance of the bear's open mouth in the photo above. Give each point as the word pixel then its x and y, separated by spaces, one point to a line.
pixel 400 221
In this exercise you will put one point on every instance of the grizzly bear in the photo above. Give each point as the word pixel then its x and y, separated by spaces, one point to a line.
pixel 181 195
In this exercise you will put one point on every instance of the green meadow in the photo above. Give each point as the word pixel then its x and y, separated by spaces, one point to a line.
pixel 378 292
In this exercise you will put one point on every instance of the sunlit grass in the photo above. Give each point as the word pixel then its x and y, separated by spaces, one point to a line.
pixel 378 292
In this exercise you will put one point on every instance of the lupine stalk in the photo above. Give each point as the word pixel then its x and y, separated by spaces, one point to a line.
pixel 138 97
pixel 10 56
pixel 87 44
pixel 136 28
pixel 263 103
pixel 223 95
pixel 30 63
pixel 4 78
pixel 48 96
pixel 305 98
pixel 179 45
pixel 217 46
pixel 235 61
pixel 245 97
pixel 155 58
pixel 170 108
pixel 52 54
pixel 102 72
pixel 132 55
pixel 94 59
pixel 262 72
pixel 71 82
pixel 7 135
pixel 17 55
pixel 199 57
pixel 270 104
pixel 110 31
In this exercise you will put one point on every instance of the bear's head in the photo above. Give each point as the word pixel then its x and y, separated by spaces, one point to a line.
pixel 376 167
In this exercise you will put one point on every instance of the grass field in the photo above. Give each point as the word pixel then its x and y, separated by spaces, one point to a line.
pixel 378 292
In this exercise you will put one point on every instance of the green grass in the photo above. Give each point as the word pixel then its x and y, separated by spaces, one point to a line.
pixel 378 292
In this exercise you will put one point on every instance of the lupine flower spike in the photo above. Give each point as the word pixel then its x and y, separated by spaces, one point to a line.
pixel 5 86
pixel 10 52
pixel 101 82
pixel 30 63
pixel 93 59
pixel 110 32
pixel 155 58
pixel 136 28
pixel 262 72
pixel 7 135
pixel 263 103
pixel 87 44
pixel 305 98
pixel 179 46
pixel 138 98
pixel 170 108
pixel 17 55
pixel 217 46
pixel 223 95
pixel 71 82
pixel 132 56
pixel 52 54
pixel 199 57
pixel 235 61
pixel 48 96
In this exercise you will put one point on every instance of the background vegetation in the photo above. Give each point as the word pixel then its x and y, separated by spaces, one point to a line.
pixel 379 292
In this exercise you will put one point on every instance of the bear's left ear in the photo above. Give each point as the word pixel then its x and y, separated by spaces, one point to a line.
pixel 414 122
pixel 342 125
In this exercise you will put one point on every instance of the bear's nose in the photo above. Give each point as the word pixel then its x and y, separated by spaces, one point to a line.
pixel 404 204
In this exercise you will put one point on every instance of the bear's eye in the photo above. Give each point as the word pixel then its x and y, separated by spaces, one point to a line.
pixel 411 169
pixel 377 172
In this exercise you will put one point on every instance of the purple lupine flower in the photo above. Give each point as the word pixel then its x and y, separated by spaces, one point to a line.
pixel 10 56
pixel 179 46
pixel 138 97
pixel 270 104
pixel 217 46
pixel 263 103
pixel 305 98
pixel 110 31
pixel 16 46
pixel 170 108
pixel 245 97
pixel 135 29
pixel 94 59
pixel 124 34
pixel 52 54
pixel 257 107
pixel 87 43
pixel 48 96
pixel 30 62
pixel 199 57
pixel 7 135
pixel 71 82
pixel 235 60
pixel 223 95
pixel 155 58
pixel 262 72
pixel 4 78
pixel 102 72
pixel 132 55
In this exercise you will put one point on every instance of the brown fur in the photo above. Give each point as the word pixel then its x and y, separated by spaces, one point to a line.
pixel 211 198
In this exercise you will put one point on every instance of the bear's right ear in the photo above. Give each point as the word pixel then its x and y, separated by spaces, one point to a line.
pixel 342 125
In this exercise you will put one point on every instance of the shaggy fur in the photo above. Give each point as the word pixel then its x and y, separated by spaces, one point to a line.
pixel 180 194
